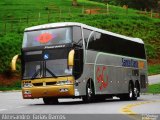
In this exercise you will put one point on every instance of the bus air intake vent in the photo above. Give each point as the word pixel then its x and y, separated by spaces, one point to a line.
pixel 50 83
pixel 38 84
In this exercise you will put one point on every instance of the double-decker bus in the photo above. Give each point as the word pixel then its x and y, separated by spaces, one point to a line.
pixel 68 59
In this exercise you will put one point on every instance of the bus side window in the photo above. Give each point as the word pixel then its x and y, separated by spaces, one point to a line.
pixel 78 56
pixel 94 41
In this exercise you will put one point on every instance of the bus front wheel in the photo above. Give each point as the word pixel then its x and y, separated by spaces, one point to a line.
pixel 89 92
pixel 50 100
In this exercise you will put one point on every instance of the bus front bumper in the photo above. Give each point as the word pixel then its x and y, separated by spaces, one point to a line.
pixel 48 91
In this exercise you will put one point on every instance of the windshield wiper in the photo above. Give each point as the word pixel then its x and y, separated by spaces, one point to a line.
pixel 37 72
pixel 53 75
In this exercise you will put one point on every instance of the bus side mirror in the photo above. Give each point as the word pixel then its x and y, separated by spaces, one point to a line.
pixel 71 58
pixel 14 61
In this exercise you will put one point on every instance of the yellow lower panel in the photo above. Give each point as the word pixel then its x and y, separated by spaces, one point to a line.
pixel 48 91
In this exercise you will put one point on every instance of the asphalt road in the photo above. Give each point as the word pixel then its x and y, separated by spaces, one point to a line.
pixel 12 102
pixel 154 79
pixel 75 109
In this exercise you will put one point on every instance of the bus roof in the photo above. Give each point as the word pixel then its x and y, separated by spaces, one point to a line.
pixel 62 24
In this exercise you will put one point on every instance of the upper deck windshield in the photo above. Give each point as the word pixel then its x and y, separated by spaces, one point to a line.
pixel 47 37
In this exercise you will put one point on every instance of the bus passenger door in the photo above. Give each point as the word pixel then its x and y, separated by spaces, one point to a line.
pixel 78 63
pixel 78 48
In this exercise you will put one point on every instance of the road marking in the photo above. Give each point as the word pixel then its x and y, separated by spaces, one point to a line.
pixel 127 109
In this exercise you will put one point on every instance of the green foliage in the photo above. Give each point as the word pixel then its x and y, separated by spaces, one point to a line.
pixel 154 69
pixel 10 44
pixel 151 51
pixel 26 13
pixel 138 4
pixel 15 86
pixel 155 88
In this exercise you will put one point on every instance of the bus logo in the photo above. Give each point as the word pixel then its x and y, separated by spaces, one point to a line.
pixel 45 38
pixel 46 56
pixel 129 63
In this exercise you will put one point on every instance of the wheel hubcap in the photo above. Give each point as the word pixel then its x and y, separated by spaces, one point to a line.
pixel 130 94
pixel 135 92
pixel 89 92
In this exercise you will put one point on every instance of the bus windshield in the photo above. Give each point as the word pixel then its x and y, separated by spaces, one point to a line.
pixel 43 69
pixel 47 37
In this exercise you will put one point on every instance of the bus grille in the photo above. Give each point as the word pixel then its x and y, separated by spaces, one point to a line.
pixel 50 83
pixel 38 84
pixel 41 84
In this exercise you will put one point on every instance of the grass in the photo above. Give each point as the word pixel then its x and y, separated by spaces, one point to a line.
pixel 155 88
pixel 19 14
pixel 15 86
pixel 154 69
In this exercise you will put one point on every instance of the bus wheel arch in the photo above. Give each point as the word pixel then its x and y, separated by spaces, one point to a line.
pixel 90 92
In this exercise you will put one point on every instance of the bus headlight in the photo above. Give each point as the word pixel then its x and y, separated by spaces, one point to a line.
pixel 27 85
pixel 64 82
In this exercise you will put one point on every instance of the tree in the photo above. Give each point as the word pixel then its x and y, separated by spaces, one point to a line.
pixel 144 4
pixel 137 4
pixel 74 2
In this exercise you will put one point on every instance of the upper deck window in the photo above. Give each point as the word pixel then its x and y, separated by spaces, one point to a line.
pixel 47 37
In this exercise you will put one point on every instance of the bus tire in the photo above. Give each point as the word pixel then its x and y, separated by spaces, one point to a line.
pixel 137 86
pixel 89 97
pixel 50 100
pixel 136 91
pixel 130 95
